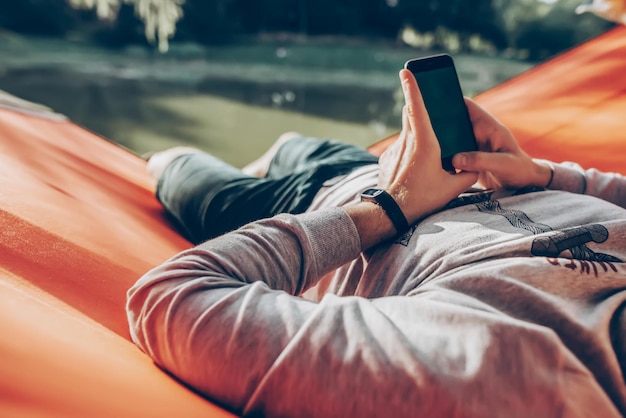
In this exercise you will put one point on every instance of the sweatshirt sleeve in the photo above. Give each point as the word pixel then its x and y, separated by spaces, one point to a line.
pixel 219 315
pixel 223 318
pixel 573 178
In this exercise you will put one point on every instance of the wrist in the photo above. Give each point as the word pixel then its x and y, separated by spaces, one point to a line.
pixel 371 222
pixel 393 211
pixel 544 174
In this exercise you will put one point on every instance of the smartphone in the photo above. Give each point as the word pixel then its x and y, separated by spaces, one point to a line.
pixel 438 81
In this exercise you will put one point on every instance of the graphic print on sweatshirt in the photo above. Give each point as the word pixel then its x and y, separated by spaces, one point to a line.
pixel 468 198
pixel 553 243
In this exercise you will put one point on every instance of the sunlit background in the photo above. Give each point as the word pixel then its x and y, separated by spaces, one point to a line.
pixel 228 76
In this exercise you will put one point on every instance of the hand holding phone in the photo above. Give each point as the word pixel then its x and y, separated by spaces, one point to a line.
pixel 439 84
pixel 501 163
pixel 410 167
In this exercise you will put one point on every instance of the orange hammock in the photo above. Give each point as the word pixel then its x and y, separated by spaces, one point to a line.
pixel 79 224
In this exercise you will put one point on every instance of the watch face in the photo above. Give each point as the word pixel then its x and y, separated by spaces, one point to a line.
pixel 371 193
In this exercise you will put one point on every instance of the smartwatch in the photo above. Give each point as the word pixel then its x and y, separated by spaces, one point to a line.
pixel 389 205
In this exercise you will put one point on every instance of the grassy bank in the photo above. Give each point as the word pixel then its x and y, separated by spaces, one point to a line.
pixel 234 131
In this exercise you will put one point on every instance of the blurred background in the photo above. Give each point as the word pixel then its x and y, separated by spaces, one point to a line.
pixel 228 76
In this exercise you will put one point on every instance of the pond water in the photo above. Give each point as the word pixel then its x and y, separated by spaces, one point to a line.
pixel 232 101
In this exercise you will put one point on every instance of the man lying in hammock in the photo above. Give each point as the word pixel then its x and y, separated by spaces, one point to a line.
pixel 509 302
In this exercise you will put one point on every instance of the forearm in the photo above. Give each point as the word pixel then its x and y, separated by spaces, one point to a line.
pixel 371 222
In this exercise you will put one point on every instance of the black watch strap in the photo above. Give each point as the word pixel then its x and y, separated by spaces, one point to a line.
pixel 389 205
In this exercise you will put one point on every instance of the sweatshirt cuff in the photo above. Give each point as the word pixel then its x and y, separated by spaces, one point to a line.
pixel 568 177
pixel 333 237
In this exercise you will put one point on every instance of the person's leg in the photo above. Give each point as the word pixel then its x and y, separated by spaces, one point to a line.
pixel 207 197
pixel 259 167
pixel 301 153
pixel 159 160
pixel 307 163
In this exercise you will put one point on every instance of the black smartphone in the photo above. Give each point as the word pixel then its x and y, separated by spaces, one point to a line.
pixel 438 81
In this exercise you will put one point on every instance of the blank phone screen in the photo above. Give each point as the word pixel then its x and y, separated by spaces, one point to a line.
pixel 447 111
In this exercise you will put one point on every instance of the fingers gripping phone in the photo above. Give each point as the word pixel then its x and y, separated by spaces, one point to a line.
pixel 439 84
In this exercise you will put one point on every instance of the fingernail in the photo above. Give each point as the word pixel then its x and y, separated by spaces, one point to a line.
pixel 403 79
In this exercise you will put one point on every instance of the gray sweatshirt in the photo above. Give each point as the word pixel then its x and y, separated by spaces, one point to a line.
pixel 502 305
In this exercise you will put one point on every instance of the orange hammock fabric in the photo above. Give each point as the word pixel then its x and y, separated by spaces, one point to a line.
pixel 79 224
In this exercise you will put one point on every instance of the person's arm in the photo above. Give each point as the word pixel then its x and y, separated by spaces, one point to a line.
pixel 502 163
pixel 571 177
pixel 221 315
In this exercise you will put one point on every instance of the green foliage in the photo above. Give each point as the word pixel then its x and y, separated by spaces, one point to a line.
pixel 159 16
pixel 486 25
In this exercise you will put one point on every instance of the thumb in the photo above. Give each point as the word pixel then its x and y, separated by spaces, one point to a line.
pixel 464 180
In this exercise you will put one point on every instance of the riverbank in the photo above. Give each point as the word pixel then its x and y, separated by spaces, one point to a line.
pixel 232 101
